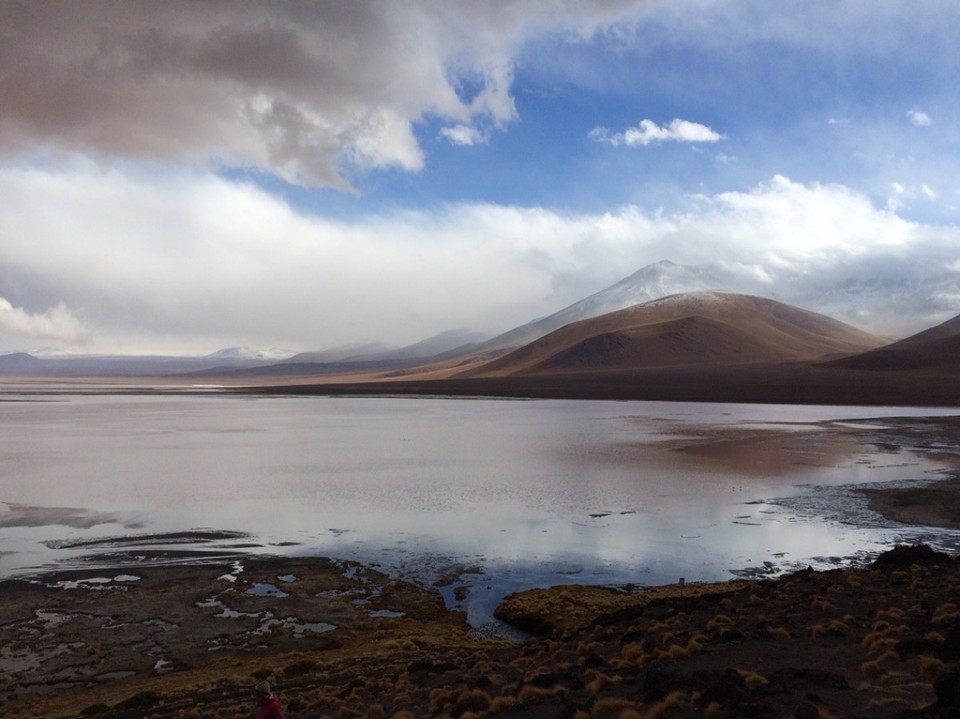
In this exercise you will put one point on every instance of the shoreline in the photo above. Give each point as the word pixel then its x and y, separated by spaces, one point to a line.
pixel 339 638
pixel 188 629
pixel 931 504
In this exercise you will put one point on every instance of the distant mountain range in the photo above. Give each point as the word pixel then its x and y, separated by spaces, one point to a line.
pixel 706 346
pixel 690 329
pixel 663 315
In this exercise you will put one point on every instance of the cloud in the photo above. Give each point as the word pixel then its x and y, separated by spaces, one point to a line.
pixel 463 135
pixel 902 196
pixel 313 92
pixel 194 263
pixel 648 133
pixel 58 325
pixel 919 118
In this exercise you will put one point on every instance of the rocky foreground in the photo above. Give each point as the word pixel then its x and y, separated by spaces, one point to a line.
pixel 341 640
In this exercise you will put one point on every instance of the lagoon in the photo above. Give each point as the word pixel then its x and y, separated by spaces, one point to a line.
pixel 494 495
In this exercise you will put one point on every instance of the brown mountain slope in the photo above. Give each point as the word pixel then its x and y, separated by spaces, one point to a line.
pixel 690 329
pixel 935 349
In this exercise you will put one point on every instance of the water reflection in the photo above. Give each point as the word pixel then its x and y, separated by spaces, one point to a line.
pixel 532 491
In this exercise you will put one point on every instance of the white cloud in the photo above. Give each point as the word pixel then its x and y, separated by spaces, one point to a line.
pixel 919 118
pixel 463 135
pixel 57 325
pixel 195 263
pixel 313 92
pixel 648 132
pixel 902 196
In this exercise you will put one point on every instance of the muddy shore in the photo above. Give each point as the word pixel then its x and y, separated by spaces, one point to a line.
pixel 339 639
pixel 877 642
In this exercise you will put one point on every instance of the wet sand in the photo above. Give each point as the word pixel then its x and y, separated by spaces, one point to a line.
pixel 935 505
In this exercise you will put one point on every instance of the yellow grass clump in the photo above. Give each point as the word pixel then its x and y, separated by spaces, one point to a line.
pixel 673 700
pixel 753 679
pixel 872 668
pixel 929 664
pixel 610 705
pixel 821 605
pixel 601 682
pixel 531 692
pixel 778 632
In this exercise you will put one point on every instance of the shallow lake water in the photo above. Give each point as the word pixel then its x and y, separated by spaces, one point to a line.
pixel 517 493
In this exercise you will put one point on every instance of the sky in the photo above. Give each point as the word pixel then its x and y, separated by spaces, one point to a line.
pixel 184 176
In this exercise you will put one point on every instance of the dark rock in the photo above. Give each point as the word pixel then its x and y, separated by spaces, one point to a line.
pixel 947 688
pixel 658 682
pixel 726 687
pixel 912 646
pixel 419 666
pixel 529 622
pixel 94 709
pixel 806 710
pixel 294 706
pixel 805 677
pixel 354 684
pixel 904 555
pixel 950 651
pixel 139 701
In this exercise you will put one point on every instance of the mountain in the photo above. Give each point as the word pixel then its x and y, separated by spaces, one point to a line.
pixel 247 354
pixel 20 363
pixel 648 283
pixel 881 302
pixel 437 346
pixel 710 328
pixel 935 349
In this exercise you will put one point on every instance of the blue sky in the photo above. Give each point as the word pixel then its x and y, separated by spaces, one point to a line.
pixel 185 177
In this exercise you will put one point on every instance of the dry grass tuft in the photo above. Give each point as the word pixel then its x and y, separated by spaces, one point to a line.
pixel 502 704
pixel 718 623
pixel 887 703
pixel 585 648
pixel 929 664
pixel 438 698
pixel 601 682
pixel 610 705
pixel 895 678
pixel 673 700
pixel 531 692
pixel 778 632
pixel 872 668
pixel 633 651
pixel 753 679
pixel 881 645
pixel 884 633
